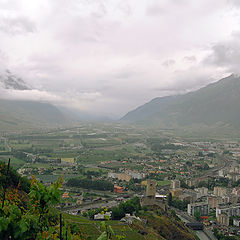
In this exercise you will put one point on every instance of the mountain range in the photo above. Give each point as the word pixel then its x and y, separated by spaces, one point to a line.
pixel 18 114
pixel 217 104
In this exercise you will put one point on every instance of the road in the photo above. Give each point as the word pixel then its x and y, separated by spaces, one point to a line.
pixel 109 204
pixel 222 163
pixel 203 235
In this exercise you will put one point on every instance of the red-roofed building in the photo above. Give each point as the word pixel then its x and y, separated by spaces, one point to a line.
pixel 65 195
pixel 118 189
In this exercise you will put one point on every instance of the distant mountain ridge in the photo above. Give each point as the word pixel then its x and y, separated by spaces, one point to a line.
pixel 216 104
pixel 15 115
pixel 22 114
pixel 18 114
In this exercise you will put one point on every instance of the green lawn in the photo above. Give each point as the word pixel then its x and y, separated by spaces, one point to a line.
pixel 163 183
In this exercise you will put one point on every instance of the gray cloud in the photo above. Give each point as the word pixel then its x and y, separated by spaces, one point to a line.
pixel 154 10
pixel 16 25
pixel 168 63
pixel 111 56
pixel 226 54
pixel 190 59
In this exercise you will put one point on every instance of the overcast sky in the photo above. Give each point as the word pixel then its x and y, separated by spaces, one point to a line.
pixel 110 56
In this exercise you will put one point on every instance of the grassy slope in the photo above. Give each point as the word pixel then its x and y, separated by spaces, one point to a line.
pixel 158 227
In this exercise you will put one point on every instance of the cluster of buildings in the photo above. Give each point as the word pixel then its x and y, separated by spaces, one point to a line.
pixel 232 172
pixel 222 200
pixel 126 176
pixel 190 195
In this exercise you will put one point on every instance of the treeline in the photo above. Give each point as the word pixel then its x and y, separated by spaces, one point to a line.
pixel 130 206
pixel 177 203
pixel 160 147
pixel 213 182
pixel 20 155
pixel 157 145
pixel 102 185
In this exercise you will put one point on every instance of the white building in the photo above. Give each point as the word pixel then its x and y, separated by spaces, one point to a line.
pixel 112 175
pixel 202 192
pixel 222 173
pixel 236 222
pixel 101 216
pixel 136 175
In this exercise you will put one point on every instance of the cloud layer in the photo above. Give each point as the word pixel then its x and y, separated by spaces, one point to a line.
pixel 109 57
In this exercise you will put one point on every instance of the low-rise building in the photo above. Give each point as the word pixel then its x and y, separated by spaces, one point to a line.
pixel 120 176
pixel 236 191
pixel 135 175
pixel 186 197
pixel 236 222
pixel 118 189
pixel 65 195
pixel 222 173
pixel 102 216
pixel 176 192
pixel 201 207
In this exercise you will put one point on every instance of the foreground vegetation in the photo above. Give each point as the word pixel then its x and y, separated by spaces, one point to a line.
pixel 29 212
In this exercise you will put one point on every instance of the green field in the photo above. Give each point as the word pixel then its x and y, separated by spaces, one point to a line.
pixel 163 183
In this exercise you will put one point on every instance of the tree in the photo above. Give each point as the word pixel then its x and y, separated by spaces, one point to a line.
pixel 197 215
pixel 37 220
pixel 169 199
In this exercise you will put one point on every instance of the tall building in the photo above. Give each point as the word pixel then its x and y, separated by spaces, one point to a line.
pixel 201 207
pixel 175 184
pixel 202 192
pixel 232 210
pixel 223 219
pixel 220 191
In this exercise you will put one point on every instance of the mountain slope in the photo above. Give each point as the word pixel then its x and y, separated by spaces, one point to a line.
pixel 18 114
pixel 217 103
